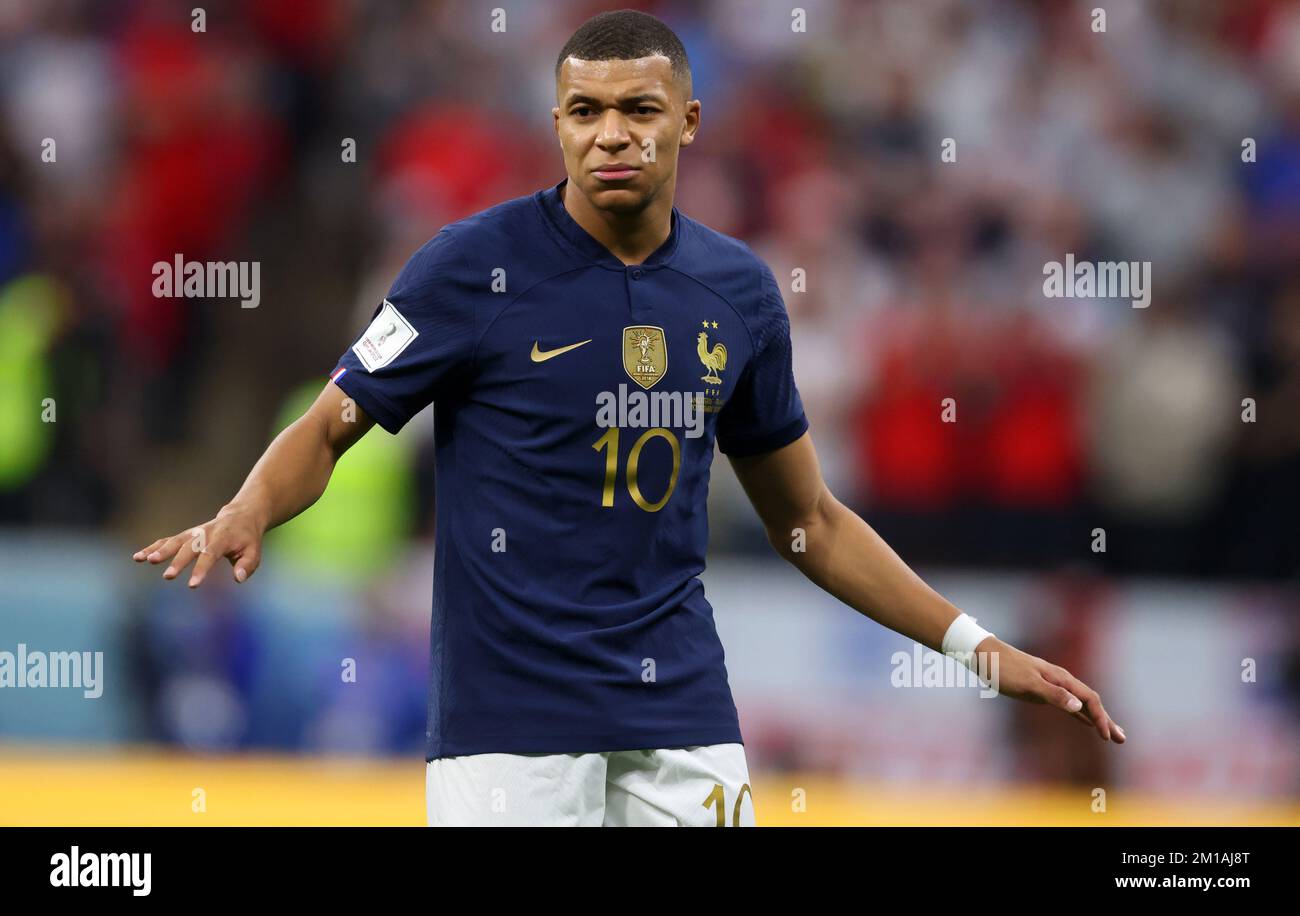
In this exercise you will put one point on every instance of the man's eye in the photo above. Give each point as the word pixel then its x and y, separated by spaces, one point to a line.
pixel 646 110
pixel 582 111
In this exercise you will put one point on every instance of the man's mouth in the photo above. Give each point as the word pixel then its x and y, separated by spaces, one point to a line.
pixel 615 171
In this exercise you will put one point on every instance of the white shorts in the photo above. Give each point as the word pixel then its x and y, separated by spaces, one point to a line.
pixel 705 786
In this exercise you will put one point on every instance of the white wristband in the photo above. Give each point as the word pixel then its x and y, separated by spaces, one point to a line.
pixel 963 635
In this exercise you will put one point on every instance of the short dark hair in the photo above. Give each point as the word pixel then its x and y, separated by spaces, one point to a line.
pixel 627 35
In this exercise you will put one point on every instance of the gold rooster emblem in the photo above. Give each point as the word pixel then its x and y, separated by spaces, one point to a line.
pixel 714 360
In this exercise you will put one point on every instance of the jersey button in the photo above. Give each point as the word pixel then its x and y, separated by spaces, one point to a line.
pixel 636 274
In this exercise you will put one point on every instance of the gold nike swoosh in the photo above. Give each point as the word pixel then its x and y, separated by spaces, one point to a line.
pixel 540 356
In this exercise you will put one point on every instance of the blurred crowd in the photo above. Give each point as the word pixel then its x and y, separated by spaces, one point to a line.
pixel 1173 430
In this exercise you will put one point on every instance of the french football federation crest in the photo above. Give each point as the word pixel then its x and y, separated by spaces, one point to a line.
pixel 645 356
pixel 714 360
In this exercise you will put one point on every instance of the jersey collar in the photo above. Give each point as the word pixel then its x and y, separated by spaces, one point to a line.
pixel 552 205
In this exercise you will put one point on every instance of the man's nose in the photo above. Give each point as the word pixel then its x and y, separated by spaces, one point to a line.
pixel 613 134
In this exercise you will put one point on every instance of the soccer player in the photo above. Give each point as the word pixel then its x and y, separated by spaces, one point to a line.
pixel 584 348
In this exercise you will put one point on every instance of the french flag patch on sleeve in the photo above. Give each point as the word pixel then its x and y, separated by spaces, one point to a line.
pixel 338 373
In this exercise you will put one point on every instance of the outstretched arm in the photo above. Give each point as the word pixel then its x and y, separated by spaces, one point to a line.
pixel 842 553
pixel 289 477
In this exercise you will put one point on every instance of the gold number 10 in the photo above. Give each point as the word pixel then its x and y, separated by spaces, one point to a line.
pixel 719 798
pixel 610 439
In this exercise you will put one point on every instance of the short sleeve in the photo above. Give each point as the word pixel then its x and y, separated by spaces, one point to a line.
pixel 765 412
pixel 420 340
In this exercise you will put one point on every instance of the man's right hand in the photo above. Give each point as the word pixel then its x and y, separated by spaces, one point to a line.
pixel 236 534
pixel 289 477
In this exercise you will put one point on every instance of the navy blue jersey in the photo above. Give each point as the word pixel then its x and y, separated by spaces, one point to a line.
pixel 576 403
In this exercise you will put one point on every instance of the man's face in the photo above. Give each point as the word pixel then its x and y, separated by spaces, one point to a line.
pixel 620 124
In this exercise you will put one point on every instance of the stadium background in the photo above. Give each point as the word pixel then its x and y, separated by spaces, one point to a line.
pixel 819 148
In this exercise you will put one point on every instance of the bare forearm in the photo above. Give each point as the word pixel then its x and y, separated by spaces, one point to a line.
pixel 840 552
pixel 844 555
pixel 289 477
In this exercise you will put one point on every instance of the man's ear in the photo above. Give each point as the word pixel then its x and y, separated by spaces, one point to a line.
pixel 691 122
